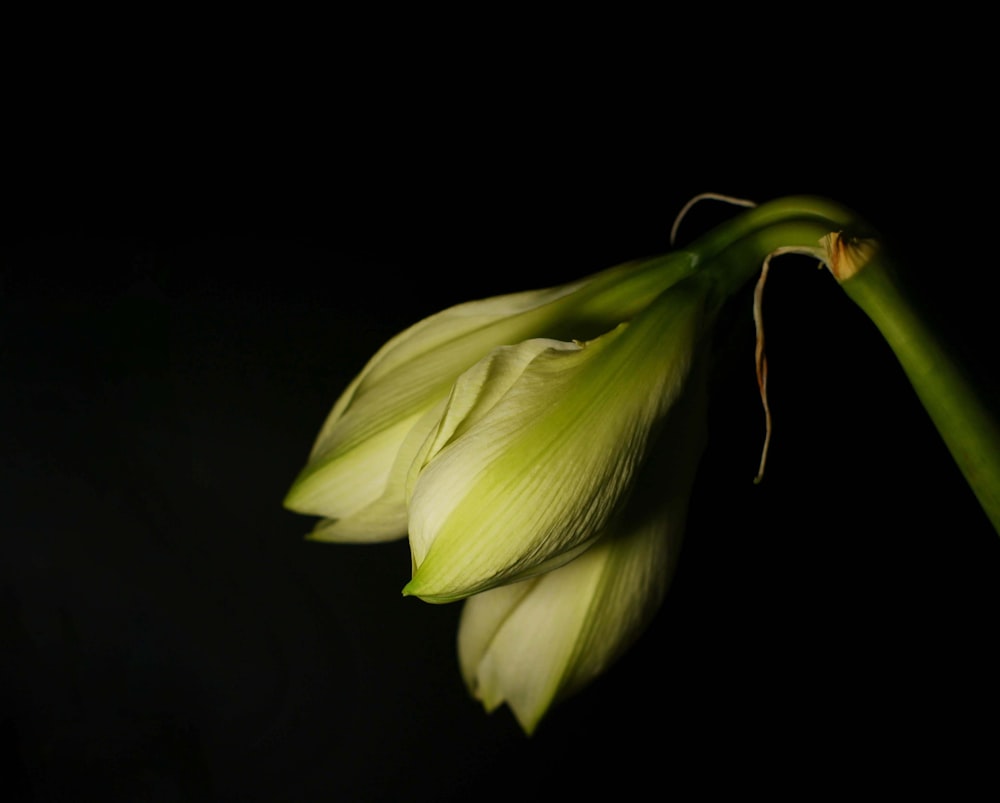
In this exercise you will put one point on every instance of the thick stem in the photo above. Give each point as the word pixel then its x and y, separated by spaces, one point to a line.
pixel 970 429
pixel 797 221
pixel 733 252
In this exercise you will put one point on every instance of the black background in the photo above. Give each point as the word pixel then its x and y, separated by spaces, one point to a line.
pixel 188 285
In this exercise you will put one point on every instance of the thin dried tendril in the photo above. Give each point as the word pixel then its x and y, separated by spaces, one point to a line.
pixel 760 357
pixel 705 196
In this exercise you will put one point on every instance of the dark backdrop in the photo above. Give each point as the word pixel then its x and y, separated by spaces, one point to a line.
pixel 179 311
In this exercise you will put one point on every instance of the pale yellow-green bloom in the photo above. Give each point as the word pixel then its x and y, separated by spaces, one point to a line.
pixel 539 443
pixel 539 448
pixel 355 476
pixel 536 642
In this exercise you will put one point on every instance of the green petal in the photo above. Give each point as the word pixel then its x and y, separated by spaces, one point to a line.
pixel 350 469
pixel 476 392
pixel 339 488
pixel 542 625
pixel 383 517
pixel 534 455
pixel 533 643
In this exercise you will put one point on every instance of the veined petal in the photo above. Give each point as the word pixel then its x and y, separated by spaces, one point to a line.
pixel 349 476
pixel 382 517
pixel 532 643
pixel 476 392
pixel 533 455
pixel 341 488
pixel 562 629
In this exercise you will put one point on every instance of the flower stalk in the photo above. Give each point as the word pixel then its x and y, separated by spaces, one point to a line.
pixel 356 472
pixel 538 449
pixel 967 425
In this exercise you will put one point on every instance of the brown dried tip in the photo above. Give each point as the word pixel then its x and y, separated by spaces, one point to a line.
pixel 846 255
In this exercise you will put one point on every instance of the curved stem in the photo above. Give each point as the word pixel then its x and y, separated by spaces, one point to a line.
pixel 970 429
pixel 797 221
pixel 733 252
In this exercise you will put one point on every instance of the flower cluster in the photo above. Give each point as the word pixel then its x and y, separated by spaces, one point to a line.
pixel 538 449
pixel 507 455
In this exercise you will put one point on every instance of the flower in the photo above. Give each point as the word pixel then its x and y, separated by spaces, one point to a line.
pixel 534 643
pixel 539 444
pixel 539 450
pixel 356 472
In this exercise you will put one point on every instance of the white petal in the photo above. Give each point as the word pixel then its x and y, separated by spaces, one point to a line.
pixel 353 456
pixel 340 488
pixel 383 516
pixel 533 643
pixel 526 483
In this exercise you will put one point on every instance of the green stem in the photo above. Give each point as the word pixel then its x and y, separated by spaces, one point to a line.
pixel 794 221
pixel 969 428
pixel 733 252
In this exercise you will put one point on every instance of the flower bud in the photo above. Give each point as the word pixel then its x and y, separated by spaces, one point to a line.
pixel 540 442
pixel 533 643
pixel 355 476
